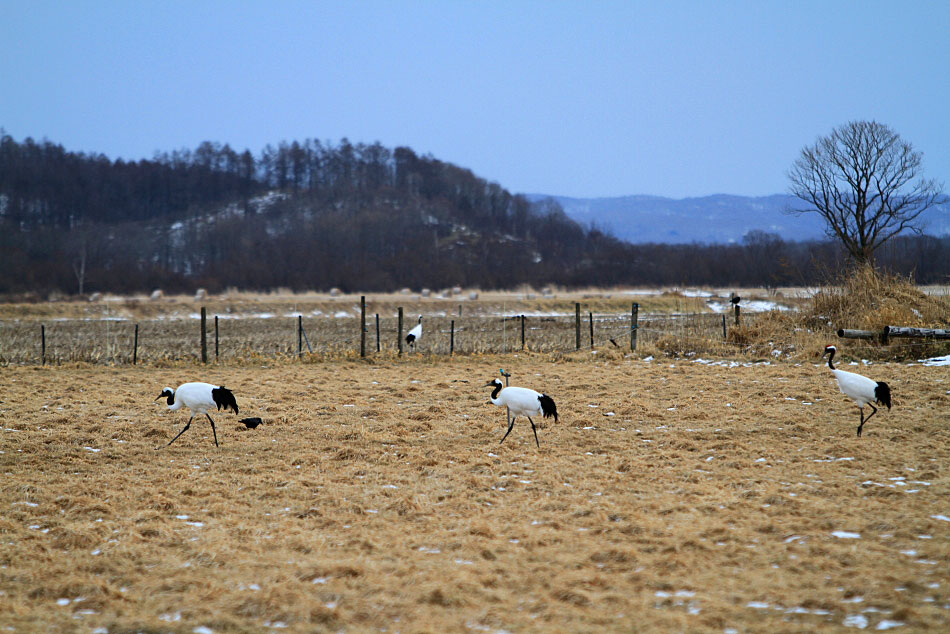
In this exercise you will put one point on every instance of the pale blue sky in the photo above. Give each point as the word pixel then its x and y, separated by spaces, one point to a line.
pixel 573 98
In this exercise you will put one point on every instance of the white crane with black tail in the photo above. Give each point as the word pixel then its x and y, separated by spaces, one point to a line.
pixel 522 402
pixel 414 334
pixel 862 390
pixel 199 398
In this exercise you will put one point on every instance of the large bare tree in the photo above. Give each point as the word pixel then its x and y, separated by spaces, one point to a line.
pixel 866 182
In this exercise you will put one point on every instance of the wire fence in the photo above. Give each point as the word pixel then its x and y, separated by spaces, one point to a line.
pixel 230 338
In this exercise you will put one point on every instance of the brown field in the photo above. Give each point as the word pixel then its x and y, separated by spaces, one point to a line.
pixel 672 496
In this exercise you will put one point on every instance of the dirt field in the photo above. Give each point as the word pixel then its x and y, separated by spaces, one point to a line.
pixel 671 496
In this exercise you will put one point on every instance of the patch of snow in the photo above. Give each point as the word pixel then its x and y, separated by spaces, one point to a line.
pixel 749 306
pixel 846 535
pixel 855 620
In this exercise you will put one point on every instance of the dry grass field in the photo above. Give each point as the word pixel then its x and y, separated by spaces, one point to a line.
pixel 672 496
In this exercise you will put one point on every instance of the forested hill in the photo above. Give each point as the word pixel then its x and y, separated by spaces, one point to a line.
pixel 307 215
pixel 314 215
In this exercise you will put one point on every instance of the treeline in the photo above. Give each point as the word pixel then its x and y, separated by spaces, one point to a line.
pixel 44 185
pixel 315 215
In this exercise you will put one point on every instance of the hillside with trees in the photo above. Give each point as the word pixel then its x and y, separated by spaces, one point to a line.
pixel 314 215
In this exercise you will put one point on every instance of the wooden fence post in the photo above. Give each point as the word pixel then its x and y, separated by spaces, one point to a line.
pixel 590 316
pixel 723 326
pixel 204 335
pixel 737 314
pixel 362 326
pixel 43 344
pixel 522 332
pixel 577 326
pixel 399 332
pixel 377 332
pixel 215 338
pixel 299 336
pixel 634 324
pixel 135 345
pixel 452 338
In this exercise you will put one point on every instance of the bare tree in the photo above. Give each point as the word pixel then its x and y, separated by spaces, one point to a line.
pixel 866 182
pixel 79 265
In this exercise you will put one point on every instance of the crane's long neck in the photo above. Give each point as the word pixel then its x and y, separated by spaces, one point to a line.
pixel 494 393
pixel 831 357
pixel 172 405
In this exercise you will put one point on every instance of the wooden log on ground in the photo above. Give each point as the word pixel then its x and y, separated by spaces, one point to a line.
pixel 856 334
pixel 924 333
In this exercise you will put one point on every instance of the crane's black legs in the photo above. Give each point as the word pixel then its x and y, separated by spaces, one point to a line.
pixel 510 425
pixel 184 429
pixel 863 419
pixel 212 429
pixel 535 432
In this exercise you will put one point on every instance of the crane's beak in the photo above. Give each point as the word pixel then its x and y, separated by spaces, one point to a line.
pixel 489 383
pixel 159 396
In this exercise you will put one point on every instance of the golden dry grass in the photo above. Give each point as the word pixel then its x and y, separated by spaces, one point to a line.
pixel 870 300
pixel 672 496
pixel 863 300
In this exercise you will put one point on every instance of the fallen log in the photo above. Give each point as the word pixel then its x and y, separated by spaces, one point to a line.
pixel 924 333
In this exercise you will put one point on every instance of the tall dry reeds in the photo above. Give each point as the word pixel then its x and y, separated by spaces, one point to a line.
pixel 861 298
pixel 867 299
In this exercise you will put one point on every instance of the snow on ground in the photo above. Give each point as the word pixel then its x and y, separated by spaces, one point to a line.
pixel 750 306
pixel 536 314
pixel 945 360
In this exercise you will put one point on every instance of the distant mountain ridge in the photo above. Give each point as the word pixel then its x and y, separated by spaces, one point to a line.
pixel 720 218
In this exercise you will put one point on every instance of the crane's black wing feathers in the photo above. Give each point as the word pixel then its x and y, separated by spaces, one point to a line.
pixel 223 398
pixel 882 394
pixel 548 408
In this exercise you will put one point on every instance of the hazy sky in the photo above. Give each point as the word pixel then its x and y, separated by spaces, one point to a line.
pixel 573 98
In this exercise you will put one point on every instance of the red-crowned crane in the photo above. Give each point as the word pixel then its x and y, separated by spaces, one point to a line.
pixel 522 402
pixel 199 398
pixel 862 390
pixel 415 334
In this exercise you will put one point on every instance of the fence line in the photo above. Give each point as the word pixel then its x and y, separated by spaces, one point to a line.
pixel 119 342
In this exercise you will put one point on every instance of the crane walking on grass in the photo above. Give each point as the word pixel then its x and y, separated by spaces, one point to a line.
pixel 862 390
pixel 522 402
pixel 415 334
pixel 199 398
